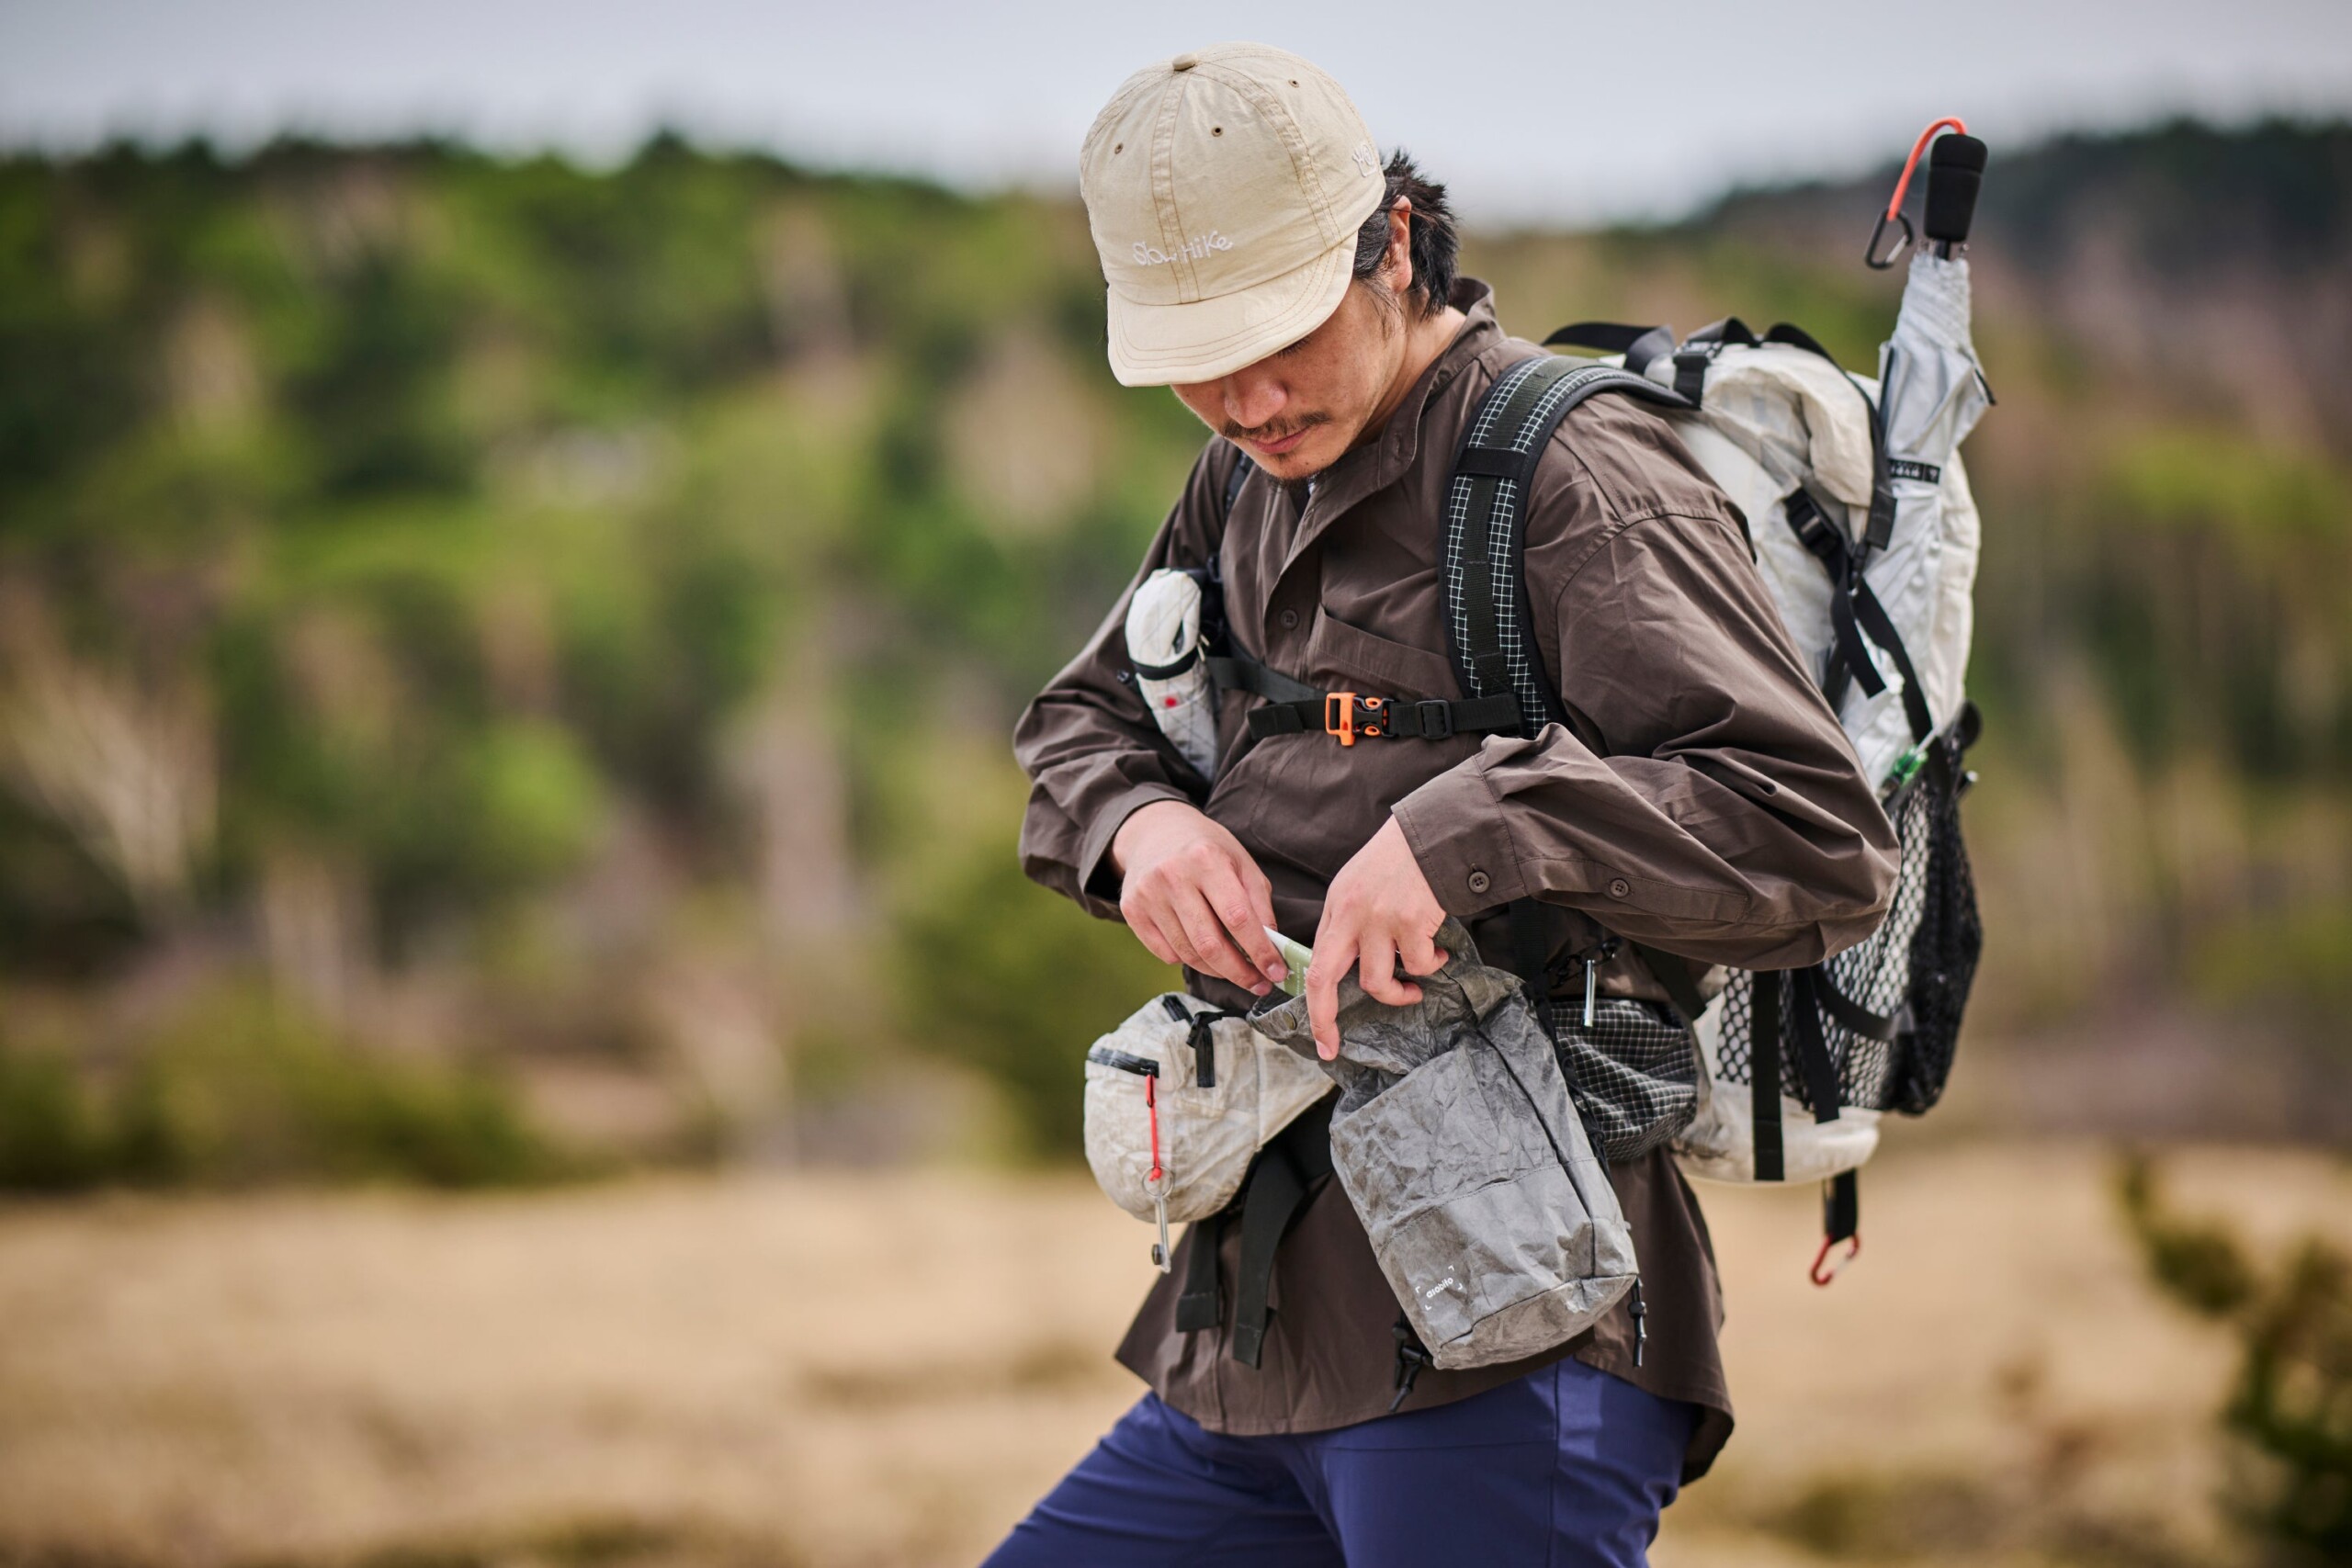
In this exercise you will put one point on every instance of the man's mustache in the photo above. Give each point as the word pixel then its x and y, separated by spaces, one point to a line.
pixel 1269 433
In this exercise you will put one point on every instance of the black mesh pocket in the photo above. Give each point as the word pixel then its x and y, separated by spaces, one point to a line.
pixel 1634 1074
pixel 1946 939
pixel 1913 971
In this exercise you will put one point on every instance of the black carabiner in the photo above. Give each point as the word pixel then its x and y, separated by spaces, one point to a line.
pixel 1878 230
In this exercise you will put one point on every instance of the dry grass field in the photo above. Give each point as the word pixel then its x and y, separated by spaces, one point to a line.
pixel 884 1370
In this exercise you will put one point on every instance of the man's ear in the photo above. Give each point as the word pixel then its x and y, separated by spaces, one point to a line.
pixel 1397 265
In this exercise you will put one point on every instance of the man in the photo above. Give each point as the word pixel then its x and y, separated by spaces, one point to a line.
pixel 1298 294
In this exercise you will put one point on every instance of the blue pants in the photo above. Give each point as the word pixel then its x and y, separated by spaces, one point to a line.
pixel 1565 1468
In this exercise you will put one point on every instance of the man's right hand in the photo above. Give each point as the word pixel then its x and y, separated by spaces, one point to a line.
pixel 1195 897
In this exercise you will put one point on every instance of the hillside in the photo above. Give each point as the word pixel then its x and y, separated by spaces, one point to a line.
pixel 479 633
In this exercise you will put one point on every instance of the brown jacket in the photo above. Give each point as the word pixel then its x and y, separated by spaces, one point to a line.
pixel 1701 799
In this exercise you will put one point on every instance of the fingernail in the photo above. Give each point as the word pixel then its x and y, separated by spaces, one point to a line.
pixel 1260 990
pixel 1277 971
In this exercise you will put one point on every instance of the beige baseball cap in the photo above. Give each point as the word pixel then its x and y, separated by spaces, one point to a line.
pixel 1223 187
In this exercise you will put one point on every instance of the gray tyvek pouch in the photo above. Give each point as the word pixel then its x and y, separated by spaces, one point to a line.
pixel 1454 1139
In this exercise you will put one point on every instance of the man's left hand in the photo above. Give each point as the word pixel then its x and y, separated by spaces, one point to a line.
pixel 1381 915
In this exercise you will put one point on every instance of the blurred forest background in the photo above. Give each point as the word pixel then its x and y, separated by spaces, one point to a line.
pixel 506 678
pixel 505 668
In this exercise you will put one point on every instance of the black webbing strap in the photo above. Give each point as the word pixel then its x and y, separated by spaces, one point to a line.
pixel 1848 1013
pixel 1841 1208
pixel 1674 976
pixel 1274 1195
pixel 1814 1060
pixel 1166 671
pixel 1411 1356
pixel 1698 350
pixel 1640 345
pixel 1881 626
pixel 1882 524
pixel 1855 613
pixel 1201 1035
pixel 1432 719
pixel 1764 1074
pixel 1531 948
pixel 1236 672
pixel 1243 468
pixel 1278 1185
pixel 1196 1304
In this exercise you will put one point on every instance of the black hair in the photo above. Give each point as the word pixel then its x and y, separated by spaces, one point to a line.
pixel 1432 242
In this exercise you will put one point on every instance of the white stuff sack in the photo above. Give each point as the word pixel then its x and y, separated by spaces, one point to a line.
pixel 1171 667
pixel 1776 416
pixel 1207 1133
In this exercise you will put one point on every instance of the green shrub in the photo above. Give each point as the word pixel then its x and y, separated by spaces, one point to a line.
pixel 2290 1408
pixel 49 1140
pixel 244 1091
pixel 241 1092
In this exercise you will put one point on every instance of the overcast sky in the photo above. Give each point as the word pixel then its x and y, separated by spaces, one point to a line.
pixel 1562 110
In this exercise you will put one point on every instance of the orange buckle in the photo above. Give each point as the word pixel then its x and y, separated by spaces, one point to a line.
pixel 1344 704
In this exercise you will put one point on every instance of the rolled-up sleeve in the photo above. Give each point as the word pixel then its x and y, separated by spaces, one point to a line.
pixel 1092 751
pixel 1703 799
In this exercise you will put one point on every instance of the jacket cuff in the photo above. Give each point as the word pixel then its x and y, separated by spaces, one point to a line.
pixel 1456 830
pixel 1096 879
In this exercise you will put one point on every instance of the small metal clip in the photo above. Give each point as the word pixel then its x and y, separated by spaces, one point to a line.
pixel 1591 984
pixel 1161 1253
pixel 1878 231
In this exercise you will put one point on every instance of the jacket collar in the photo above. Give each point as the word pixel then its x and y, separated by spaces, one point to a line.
pixel 1378 464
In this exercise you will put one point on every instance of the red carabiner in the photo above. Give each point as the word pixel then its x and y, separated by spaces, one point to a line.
pixel 1853 1251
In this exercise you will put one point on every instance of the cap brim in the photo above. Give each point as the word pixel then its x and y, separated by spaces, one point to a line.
pixel 1154 345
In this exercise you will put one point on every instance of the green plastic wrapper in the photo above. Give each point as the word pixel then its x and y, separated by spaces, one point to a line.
pixel 1295 954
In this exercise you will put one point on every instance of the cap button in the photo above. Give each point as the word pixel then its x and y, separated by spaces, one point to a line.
pixel 1184 61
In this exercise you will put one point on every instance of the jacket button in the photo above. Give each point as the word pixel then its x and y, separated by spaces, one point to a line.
pixel 1289 619
pixel 1480 881
pixel 1620 887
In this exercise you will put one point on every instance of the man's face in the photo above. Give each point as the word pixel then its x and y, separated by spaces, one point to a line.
pixel 1298 410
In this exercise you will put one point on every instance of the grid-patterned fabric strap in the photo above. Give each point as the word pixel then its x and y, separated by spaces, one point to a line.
pixel 1485 592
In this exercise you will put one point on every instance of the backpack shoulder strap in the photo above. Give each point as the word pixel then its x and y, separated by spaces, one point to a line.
pixel 1482 553
pixel 1243 468
pixel 1489 618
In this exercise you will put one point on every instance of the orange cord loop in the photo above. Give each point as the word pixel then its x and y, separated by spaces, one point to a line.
pixel 1893 214
pixel 1151 1104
